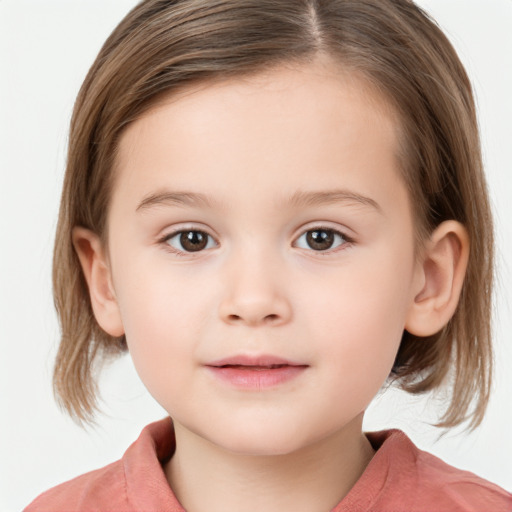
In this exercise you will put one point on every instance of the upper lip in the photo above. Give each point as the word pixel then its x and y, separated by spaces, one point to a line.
pixel 259 361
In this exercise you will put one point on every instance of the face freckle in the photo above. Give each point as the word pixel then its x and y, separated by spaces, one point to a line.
pixel 255 165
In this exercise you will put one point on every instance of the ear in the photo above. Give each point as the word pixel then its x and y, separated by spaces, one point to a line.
pixel 441 273
pixel 99 280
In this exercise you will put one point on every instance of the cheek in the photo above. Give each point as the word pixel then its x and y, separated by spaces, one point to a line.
pixel 164 319
pixel 155 299
pixel 359 320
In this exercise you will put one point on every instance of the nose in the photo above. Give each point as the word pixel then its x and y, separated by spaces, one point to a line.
pixel 254 293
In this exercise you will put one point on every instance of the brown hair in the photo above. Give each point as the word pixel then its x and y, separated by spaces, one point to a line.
pixel 165 45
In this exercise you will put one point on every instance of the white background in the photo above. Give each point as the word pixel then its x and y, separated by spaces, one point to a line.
pixel 46 48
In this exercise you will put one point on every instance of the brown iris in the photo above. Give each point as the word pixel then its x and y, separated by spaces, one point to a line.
pixel 320 239
pixel 193 241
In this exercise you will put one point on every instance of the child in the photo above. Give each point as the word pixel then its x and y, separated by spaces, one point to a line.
pixel 276 207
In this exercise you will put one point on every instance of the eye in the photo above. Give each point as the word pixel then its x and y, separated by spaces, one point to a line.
pixel 189 241
pixel 321 239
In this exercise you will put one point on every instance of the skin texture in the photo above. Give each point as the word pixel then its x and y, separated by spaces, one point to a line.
pixel 257 287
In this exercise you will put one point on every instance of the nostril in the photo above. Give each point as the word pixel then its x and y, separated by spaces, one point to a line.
pixel 268 318
pixel 253 311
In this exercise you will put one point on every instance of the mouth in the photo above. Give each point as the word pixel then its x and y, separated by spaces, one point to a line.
pixel 245 361
pixel 256 373
pixel 254 367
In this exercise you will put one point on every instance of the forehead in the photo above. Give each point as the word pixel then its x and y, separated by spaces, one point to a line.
pixel 312 86
pixel 292 121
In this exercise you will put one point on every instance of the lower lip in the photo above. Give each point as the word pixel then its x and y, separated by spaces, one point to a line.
pixel 248 378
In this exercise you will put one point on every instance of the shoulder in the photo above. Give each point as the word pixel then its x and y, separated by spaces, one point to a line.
pixel 136 482
pixel 401 476
pixel 88 492
pixel 460 489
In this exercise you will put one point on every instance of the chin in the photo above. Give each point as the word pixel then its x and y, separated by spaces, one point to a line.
pixel 263 440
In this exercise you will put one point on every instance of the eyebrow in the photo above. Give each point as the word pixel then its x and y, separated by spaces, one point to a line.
pixel 303 199
pixel 299 199
pixel 176 198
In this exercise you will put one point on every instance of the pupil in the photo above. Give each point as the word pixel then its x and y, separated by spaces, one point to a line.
pixel 193 240
pixel 320 239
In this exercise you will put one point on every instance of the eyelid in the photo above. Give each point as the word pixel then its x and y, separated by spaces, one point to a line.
pixel 164 239
pixel 347 239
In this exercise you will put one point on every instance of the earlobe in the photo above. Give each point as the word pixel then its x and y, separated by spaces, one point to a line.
pixel 442 269
pixel 99 280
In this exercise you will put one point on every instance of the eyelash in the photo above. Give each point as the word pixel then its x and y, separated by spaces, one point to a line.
pixel 346 241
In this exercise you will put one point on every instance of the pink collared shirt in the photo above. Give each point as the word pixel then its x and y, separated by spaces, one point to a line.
pixel 400 477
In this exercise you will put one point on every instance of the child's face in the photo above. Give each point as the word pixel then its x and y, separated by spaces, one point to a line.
pixel 300 248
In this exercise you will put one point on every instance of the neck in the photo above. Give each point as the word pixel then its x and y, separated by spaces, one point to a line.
pixel 203 476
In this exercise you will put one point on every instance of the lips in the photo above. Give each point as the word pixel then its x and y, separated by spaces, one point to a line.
pixel 258 373
pixel 263 361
